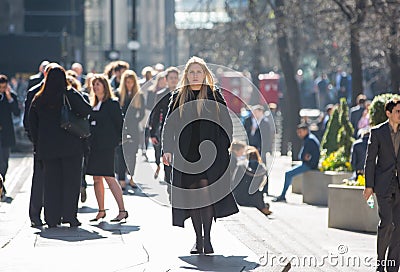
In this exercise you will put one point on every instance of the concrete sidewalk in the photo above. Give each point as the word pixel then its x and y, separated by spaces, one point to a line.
pixel 247 241
pixel 146 242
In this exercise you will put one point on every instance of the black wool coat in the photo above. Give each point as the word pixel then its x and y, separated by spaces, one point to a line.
pixel 49 139
pixel 174 142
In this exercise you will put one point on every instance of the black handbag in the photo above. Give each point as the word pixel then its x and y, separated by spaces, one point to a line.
pixel 72 123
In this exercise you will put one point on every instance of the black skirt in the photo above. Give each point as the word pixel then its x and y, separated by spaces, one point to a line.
pixel 101 163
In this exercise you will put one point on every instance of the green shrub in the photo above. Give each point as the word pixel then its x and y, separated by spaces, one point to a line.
pixel 330 139
pixel 377 108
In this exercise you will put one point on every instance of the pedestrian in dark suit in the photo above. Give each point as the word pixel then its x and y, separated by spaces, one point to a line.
pixel 8 107
pixel 60 152
pixel 129 90
pixel 37 78
pixel 309 156
pixel 382 168
pixel 37 187
pixel 157 118
pixel 259 131
pixel 197 118
pixel 106 128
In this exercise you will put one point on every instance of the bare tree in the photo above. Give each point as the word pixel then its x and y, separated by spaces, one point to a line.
pixel 354 11
pixel 388 12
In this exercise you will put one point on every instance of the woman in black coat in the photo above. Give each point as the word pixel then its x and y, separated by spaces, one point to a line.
pixel 106 128
pixel 196 138
pixel 60 152
pixel 131 100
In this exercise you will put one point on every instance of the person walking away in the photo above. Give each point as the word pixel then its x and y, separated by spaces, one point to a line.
pixel 60 152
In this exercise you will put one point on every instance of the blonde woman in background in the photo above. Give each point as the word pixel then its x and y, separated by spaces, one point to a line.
pixel 131 101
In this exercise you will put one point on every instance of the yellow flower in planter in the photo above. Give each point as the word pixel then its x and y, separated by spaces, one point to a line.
pixel 336 161
pixel 361 180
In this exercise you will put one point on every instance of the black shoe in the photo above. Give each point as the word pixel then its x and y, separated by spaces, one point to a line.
pixel 99 216
pixel 208 249
pixel 279 199
pixel 75 223
pixel 197 247
pixel 36 223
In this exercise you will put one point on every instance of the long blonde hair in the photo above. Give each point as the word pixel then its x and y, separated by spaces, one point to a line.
pixel 107 88
pixel 184 86
pixel 135 94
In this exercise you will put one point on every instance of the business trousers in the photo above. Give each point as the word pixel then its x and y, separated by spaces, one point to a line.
pixel 62 181
pixel 388 239
pixel 37 189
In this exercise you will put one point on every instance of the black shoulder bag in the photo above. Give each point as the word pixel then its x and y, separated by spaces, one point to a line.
pixel 72 123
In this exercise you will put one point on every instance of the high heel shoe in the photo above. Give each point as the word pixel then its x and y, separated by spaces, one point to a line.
pixel 118 218
pixel 132 183
pixel 99 217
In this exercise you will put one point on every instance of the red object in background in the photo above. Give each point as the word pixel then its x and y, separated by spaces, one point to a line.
pixel 233 90
pixel 268 84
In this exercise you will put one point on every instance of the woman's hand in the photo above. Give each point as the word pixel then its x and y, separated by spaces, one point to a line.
pixel 167 158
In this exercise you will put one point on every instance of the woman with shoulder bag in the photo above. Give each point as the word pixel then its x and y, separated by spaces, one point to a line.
pixel 106 127
pixel 60 152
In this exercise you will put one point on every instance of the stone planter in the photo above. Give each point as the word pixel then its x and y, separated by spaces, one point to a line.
pixel 315 185
pixel 297 184
pixel 349 210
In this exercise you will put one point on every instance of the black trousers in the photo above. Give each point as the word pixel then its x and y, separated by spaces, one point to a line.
pixel 37 189
pixel 389 228
pixel 62 181
pixel 125 158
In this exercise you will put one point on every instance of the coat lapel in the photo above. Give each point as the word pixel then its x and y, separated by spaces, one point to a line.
pixel 388 139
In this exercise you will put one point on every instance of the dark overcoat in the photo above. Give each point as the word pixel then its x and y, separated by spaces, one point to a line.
pixel 50 140
pixel 220 134
pixel 7 133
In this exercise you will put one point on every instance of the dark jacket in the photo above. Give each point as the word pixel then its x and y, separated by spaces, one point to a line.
pixel 106 126
pixel 176 139
pixel 35 79
pixel 132 117
pixel 6 121
pixel 159 113
pixel 310 146
pixel 248 177
pixel 49 139
pixel 28 101
pixel 381 163
pixel 358 153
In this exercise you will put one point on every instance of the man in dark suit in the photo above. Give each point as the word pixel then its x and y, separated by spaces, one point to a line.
pixel 309 155
pixel 259 131
pixel 37 188
pixel 158 115
pixel 382 168
pixel 37 78
pixel 8 106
